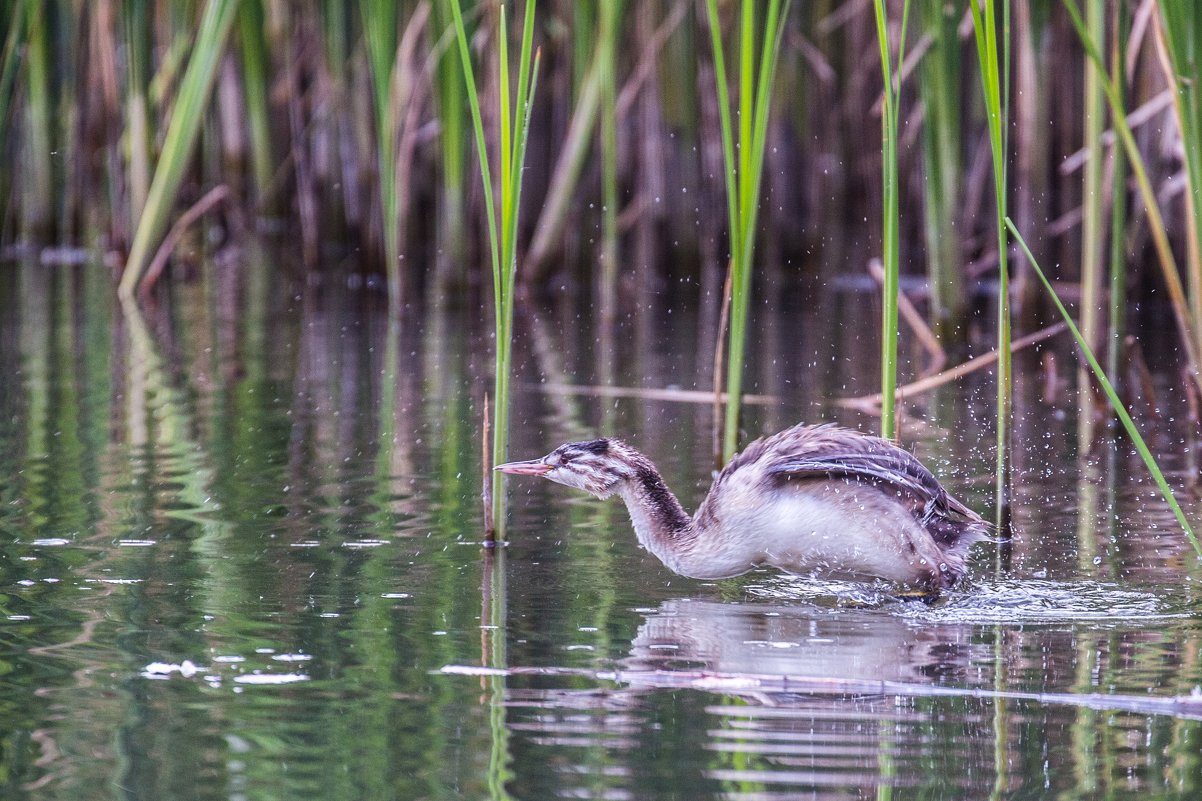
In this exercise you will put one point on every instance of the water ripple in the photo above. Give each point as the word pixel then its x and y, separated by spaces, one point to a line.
pixel 1043 601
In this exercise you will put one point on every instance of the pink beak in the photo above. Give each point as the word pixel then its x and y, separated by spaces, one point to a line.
pixel 533 467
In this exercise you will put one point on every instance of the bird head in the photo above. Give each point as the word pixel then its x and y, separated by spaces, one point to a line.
pixel 597 466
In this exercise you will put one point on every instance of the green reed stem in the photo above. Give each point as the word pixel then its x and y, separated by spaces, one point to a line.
pixel 136 24
pixel 1092 207
pixel 1118 206
pixel 1182 38
pixel 1093 241
pixel 585 33
pixel 186 120
pixel 939 88
pixel 565 175
pixel 610 16
pixel 256 64
pixel 514 116
pixel 381 25
pixel 891 258
pixel 744 172
pixel 1136 439
pixel 450 94
pixel 1156 227
pixel 335 23
pixel 38 207
pixel 10 60
pixel 985 33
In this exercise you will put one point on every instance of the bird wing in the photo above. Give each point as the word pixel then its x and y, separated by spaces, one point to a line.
pixel 892 466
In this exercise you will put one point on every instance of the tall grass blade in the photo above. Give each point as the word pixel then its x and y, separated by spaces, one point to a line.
pixel 744 162
pixel 342 130
pixel 939 88
pixel 11 58
pixel 891 258
pixel 1093 225
pixel 334 22
pixel 586 23
pixel 473 96
pixel 1118 207
pixel 610 17
pixel 186 119
pixel 256 66
pixel 1160 239
pixel 1180 34
pixel 10 61
pixel 502 203
pixel 984 23
pixel 450 95
pixel 38 206
pixel 136 24
pixel 381 28
pixel 1136 439
pixel 595 98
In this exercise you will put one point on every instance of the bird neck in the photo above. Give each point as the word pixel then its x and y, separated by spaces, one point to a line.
pixel 660 522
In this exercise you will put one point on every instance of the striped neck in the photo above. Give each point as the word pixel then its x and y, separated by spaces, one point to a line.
pixel 660 522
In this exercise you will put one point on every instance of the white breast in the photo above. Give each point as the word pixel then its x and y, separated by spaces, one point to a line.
pixel 828 528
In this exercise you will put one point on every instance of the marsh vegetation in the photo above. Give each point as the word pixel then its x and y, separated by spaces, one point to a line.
pixel 265 265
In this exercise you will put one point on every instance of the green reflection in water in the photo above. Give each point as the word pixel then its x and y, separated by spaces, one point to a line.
pixel 239 540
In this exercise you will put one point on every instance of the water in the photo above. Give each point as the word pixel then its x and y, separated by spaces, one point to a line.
pixel 240 559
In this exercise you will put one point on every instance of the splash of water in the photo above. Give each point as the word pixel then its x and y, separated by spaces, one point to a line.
pixel 1034 601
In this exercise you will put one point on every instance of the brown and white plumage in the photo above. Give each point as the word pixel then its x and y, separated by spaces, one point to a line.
pixel 818 500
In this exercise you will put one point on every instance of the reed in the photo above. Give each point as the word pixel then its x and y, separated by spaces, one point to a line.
pixel 1117 309
pixel 1179 37
pixel 136 27
pixel 339 129
pixel 186 119
pixel 984 23
pixel 585 21
pixel 38 209
pixel 328 157
pixel 573 155
pixel 744 162
pixel 1128 424
pixel 10 60
pixel 939 88
pixel 1156 227
pixel 1093 240
pixel 891 258
pixel 610 14
pixel 381 31
pixel 1093 222
pixel 68 89
pixel 450 96
pixel 502 203
pixel 256 69
pixel 334 23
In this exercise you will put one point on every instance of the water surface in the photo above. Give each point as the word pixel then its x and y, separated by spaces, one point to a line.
pixel 239 536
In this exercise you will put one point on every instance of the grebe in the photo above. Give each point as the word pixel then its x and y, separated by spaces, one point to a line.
pixel 812 500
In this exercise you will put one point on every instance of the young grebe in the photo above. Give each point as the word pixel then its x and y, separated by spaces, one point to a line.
pixel 813 500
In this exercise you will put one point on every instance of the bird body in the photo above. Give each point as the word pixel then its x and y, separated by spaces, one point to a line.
pixel 812 500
